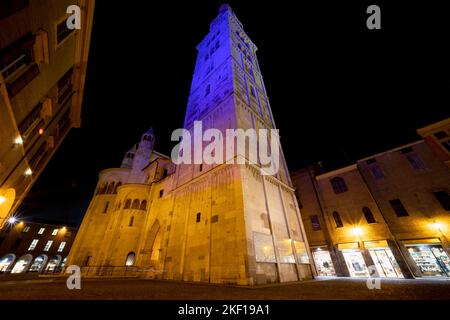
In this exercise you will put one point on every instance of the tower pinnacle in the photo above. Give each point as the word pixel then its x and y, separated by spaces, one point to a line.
pixel 224 7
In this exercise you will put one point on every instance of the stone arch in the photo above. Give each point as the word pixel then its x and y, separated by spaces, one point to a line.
pixel 53 264
pixel 39 263
pixel 7 261
pixel 135 204
pixel 143 205
pixel 154 241
pixel 22 264
pixel 127 204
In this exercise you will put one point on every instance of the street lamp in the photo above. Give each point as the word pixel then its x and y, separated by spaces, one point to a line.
pixel 12 220
pixel 357 231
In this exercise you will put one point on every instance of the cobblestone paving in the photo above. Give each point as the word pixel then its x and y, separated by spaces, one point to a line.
pixel 45 288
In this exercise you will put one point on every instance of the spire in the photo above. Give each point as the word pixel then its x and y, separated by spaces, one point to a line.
pixel 224 7
pixel 127 161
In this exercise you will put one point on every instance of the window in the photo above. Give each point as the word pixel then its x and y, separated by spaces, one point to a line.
pixel 61 246
pixel 208 90
pixel 127 204
pixel 130 259
pixel 315 223
pixel 443 198
pixel 441 135
pixel 48 245
pixel 130 224
pixel 143 205
pixel 105 209
pixel 65 86
pixel 62 32
pixel 376 171
pixel 161 193
pixel 446 145
pixel 33 245
pixel 339 185
pixel 337 219
pixel 198 217
pixel 16 56
pixel 41 231
pixel 201 168
pixel 55 232
pixel 26 229
pixel 253 92
pixel 368 215
pixel 398 207
pixel 415 161
pixel 215 218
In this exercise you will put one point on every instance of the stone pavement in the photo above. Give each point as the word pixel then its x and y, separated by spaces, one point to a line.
pixel 335 288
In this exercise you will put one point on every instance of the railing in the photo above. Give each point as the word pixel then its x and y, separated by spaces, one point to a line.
pixel 111 271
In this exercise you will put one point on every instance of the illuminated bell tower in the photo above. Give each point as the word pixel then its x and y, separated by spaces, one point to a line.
pixel 242 227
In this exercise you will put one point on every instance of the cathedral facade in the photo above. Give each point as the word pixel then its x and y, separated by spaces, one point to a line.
pixel 217 223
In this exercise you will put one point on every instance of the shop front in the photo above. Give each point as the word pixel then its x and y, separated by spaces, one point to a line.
pixel 383 259
pixel 324 264
pixel 354 259
pixel 429 256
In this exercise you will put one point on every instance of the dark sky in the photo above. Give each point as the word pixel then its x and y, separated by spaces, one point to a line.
pixel 338 91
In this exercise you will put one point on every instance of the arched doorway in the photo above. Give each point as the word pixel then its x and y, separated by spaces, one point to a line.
pixel 39 263
pixel 130 259
pixel 53 264
pixel 7 261
pixel 153 244
pixel 22 264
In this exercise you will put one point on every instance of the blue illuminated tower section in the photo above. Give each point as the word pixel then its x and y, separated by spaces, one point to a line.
pixel 227 66
pixel 231 224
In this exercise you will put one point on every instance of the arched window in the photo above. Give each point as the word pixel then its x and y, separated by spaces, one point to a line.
pixel 102 188
pixel 110 188
pixel 118 184
pixel 127 204
pixel 130 259
pixel 143 205
pixel 119 205
pixel 339 185
pixel 369 215
pixel 337 219
pixel 130 224
pixel 135 204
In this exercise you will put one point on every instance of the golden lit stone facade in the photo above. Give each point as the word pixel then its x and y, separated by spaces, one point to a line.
pixel 390 211
pixel 42 73
pixel 221 223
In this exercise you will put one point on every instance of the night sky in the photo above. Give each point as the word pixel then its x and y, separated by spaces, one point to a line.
pixel 338 91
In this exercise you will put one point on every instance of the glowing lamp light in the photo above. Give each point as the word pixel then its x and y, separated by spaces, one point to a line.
pixel 63 229
pixel 357 231
pixel 2 199
pixel 41 131
pixel 437 226
pixel 12 220
pixel 18 140
pixel 28 172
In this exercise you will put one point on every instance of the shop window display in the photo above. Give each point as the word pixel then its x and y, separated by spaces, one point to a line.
pixel 432 260
pixel 385 263
pixel 324 263
pixel 355 263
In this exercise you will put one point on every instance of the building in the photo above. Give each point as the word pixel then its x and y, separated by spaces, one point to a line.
pixel 42 74
pixel 390 211
pixel 437 135
pixel 221 223
pixel 27 246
